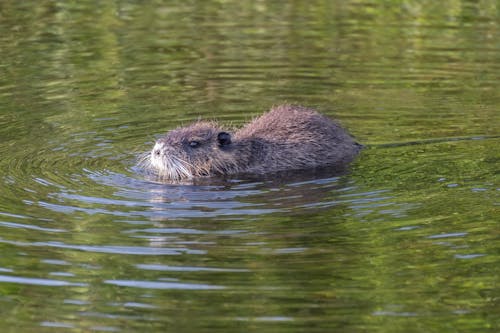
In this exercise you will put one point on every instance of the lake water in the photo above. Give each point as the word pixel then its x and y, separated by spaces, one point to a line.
pixel 407 241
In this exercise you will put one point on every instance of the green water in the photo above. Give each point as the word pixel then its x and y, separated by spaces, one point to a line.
pixel 407 241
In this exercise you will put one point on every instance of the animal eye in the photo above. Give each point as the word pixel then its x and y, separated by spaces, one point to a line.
pixel 194 144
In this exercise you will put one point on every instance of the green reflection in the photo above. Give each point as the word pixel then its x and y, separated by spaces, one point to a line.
pixel 407 242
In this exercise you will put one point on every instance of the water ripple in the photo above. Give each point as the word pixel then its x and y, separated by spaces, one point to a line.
pixel 39 282
pixel 162 285
pixel 134 250
pixel 29 226
pixel 168 268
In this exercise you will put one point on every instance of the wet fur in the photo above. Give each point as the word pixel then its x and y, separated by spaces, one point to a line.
pixel 283 139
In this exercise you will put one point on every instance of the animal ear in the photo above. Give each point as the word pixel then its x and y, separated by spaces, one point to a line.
pixel 223 139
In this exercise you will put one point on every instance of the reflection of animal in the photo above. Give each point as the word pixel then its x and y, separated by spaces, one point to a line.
pixel 283 139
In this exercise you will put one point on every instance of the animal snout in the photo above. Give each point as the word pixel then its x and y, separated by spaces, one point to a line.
pixel 158 149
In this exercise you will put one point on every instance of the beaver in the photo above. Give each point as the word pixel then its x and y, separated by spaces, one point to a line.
pixel 288 137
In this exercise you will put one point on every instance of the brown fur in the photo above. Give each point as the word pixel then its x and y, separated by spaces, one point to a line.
pixel 283 139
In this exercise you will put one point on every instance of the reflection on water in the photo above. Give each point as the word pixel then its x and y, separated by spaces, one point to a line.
pixel 403 241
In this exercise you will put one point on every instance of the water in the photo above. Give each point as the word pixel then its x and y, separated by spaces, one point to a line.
pixel 407 241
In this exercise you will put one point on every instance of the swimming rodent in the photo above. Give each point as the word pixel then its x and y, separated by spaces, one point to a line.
pixel 287 138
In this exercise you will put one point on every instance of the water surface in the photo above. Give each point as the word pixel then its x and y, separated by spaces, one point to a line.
pixel 406 241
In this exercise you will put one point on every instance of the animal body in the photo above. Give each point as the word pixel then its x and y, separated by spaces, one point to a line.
pixel 286 138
